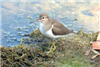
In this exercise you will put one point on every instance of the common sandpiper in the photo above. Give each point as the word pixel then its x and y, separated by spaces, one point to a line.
pixel 52 28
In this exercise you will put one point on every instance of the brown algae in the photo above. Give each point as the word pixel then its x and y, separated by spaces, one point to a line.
pixel 70 51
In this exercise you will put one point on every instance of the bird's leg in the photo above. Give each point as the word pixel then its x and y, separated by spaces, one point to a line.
pixel 50 51
pixel 53 47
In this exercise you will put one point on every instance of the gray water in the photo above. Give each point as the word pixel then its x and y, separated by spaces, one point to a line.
pixel 16 17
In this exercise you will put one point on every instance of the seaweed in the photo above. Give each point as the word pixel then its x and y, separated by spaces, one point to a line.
pixel 32 51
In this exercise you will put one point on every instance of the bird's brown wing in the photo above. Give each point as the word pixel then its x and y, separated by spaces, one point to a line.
pixel 59 31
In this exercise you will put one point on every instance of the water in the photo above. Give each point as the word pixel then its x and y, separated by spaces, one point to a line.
pixel 16 17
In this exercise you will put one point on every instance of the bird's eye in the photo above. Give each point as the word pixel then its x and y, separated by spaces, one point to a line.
pixel 42 17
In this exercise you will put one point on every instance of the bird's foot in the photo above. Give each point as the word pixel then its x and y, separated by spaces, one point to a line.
pixel 52 49
pixel 49 52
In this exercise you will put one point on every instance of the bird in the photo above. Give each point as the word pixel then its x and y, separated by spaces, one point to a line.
pixel 51 28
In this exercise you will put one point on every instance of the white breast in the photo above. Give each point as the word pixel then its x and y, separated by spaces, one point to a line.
pixel 41 27
pixel 47 33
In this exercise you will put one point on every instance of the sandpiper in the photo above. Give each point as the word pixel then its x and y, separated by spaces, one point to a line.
pixel 52 28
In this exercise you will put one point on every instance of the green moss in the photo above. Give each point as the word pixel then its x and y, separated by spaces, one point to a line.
pixel 70 51
pixel 16 64
pixel 19 28
pixel 76 19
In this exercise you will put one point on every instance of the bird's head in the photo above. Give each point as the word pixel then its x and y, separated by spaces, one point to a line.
pixel 43 18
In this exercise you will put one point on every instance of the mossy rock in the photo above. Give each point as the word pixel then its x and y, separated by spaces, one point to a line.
pixel 69 51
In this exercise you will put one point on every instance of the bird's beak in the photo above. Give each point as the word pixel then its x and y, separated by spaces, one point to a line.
pixel 34 21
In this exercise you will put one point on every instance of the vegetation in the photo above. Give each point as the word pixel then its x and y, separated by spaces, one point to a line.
pixel 32 52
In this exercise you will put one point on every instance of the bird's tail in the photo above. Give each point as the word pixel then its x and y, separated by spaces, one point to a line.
pixel 73 32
